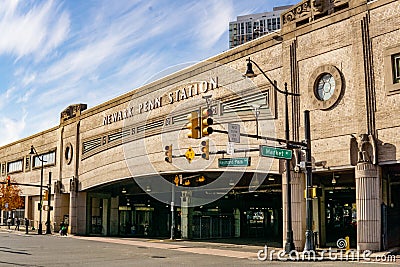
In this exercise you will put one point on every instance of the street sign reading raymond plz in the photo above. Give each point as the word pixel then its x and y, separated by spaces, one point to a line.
pixel 275 152
pixel 234 162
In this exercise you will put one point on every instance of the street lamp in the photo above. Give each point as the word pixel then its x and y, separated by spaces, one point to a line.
pixel 289 246
pixel 48 228
pixel 33 152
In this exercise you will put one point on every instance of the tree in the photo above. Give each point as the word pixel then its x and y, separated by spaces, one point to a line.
pixel 10 196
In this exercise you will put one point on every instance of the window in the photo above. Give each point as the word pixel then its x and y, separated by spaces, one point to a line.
pixel 14 166
pixel 3 169
pixel 325 87
pixel 274 24
pixel 48 159
pixel 396 68
pixel 392 70
pixel 27 163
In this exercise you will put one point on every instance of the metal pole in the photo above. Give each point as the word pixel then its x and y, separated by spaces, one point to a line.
pixel 48 228
pixel 172 212
pixel 289 246
pixel 309 245
pixel 40 199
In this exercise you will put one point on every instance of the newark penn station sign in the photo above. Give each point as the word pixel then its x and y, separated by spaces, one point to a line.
pixel 179 94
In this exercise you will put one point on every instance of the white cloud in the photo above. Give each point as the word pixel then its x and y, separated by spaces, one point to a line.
pixel 26 96
pixel 27 30
pixel 11 129
pixel 10 92
pixel 28 79
pixel 213 21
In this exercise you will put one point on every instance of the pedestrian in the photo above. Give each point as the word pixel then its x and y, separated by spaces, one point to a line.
pixel 63 229
pixel 17 223
pixel 26 225
pixel 9 222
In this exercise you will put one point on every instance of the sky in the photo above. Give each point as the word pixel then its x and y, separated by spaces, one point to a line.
pixel 57 53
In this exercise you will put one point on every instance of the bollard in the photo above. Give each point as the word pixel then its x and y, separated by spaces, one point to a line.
pixel 347 238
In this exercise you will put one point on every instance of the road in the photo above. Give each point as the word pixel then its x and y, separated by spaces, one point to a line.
pixel 18 249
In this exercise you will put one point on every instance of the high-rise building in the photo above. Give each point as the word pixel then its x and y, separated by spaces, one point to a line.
pixel 249 27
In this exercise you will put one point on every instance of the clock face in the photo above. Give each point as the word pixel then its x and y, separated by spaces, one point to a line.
pixel 325 87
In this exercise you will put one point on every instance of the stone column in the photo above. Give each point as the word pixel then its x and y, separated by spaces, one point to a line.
pixel 114 216
pixel 28 207
pixel 298 209
pixel 73 222
pixel 58 217
pixel 236 215
pixel 80 213
pixel 185 215
pixel 368 200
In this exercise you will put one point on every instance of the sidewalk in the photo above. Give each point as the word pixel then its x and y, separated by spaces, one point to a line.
pixel 255 251
pixel 241 251
pixel 237 248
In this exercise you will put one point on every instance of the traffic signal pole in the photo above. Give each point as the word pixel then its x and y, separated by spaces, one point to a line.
pixel 48 228
pixel 309 245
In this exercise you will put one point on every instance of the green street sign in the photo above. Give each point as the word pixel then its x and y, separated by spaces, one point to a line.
pixel 234 162
pixel 275 152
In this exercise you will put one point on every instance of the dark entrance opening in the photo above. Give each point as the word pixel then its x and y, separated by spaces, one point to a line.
pixel 341 216
pixel 393 216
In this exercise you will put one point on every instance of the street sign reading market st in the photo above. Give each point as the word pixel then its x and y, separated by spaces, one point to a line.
pixel 275 152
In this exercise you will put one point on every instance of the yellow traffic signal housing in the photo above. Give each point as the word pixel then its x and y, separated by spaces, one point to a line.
pixel 176 180
pixel 187 182
pixel 168 153
pixel 206 121
pixel 314 192
pixel 46 195
pixel 193 125
pixel 190 154
pixel 205 149
pixel 201 179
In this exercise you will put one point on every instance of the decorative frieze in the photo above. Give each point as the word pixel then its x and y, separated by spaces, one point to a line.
pixel 310 10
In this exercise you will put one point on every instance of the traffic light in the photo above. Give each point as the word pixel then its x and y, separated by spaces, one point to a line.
pixel 168 153
pixel 205 149
pixel 46 195
pixel 201 179
pixel 206 121
pixel 193 125
pixel 8 180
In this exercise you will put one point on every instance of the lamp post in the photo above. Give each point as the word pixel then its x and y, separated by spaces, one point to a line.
pixel 289 246
pixel 48 228
pixel 172 211
pixel 33 152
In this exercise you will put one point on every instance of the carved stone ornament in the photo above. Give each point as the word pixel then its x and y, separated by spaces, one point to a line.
pixel 72 111
pixel 57 187
pixel 73 184
pixel 363 149
pixel 310 10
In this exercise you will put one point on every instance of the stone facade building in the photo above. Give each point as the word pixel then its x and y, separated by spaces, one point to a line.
pixel 110 176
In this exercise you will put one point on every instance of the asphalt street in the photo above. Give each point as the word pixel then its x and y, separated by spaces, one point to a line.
pixel 19 249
